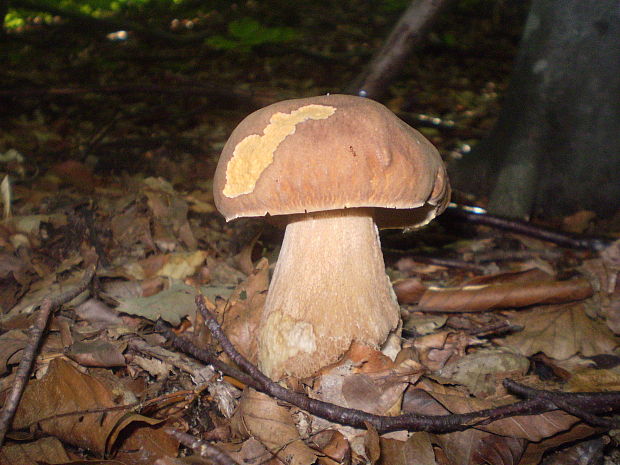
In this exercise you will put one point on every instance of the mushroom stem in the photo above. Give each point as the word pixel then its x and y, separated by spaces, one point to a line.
pixel 329 289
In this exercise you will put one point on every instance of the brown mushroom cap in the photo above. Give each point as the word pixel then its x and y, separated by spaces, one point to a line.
pixel 327 153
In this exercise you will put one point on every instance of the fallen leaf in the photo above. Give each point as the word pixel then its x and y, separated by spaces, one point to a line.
pixel 244 311
pixel 503 295
pixel 578 222
pixel 76 174
pixel 372 444
pixel 482 370
pixel 336 451
pixel 11 344
pixel 559 332
pixel 417 450
pixel 48 450
pixel 261 417
pixel 97 353
pixel 535 450
pixel 409 290
pixel 65 390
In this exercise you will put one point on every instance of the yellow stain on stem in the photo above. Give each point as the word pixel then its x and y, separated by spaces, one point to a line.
pixel 255 153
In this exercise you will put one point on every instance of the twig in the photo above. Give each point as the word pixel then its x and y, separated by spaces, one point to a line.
pixel 579 404
pixel 29 354
pixel 202 448
pixel 410 421
pixel 523 227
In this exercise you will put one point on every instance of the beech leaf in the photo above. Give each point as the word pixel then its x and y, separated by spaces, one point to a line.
pixel 478 298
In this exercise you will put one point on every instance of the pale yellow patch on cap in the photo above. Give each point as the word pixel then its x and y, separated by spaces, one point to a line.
pixel 255 153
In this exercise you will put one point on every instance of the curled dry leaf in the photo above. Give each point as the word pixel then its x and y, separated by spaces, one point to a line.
pixel 261 417
pixel 11 344
pixel 504 295
pixel 559 332
pixel 65 390
pixel 242 315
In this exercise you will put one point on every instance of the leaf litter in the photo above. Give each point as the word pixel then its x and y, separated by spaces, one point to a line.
pixel 105 385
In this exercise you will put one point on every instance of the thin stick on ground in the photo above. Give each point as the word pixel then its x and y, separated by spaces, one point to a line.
pixel 202 448
pixel 30 351
pixel 583 405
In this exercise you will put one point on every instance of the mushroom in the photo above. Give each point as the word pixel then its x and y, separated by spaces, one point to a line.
pixel 333 168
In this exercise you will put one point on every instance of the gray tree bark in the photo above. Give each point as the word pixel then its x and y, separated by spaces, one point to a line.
pixel 556 146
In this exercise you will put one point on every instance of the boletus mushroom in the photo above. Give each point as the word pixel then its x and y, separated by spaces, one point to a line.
pixel 333 168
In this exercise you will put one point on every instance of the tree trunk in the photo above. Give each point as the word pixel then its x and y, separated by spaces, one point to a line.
pixel 556 146
pixel 387 63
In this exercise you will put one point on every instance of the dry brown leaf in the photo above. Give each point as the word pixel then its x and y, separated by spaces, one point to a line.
pixel 604 273
pixel 481 371
pixel 97 353
pixel 367 380
pixel 132 228
pixel 475 447
pixel 466 447
pixel 242 315
pixel 503 295
pixel 143 443
pixel 336 451
pixel 409 290
pixel 11 344
pixel 593 380
pixel 48 450
pixel 261 417
pixel 169 216
pixel 244 258
pixel 372 444
pixel 65 390
pixel 578 222
pixel 437 349
pixel 417 450
pixel 445 400
pixel 535 450
pixel 75 173
pixel 250 452
pixel 559 332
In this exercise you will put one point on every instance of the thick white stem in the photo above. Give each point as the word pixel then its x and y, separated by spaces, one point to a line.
pixel 329 289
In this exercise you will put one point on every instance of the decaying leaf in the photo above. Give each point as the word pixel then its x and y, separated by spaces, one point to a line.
pixel 260 416
pixel 559 332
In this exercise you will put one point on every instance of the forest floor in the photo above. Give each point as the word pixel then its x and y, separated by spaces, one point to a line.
pixel 107 152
